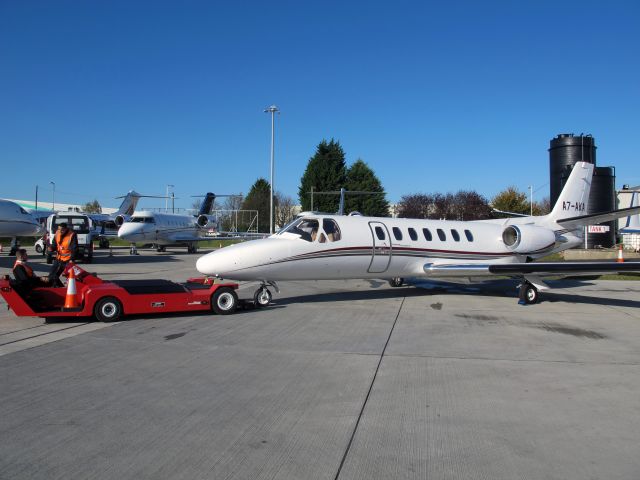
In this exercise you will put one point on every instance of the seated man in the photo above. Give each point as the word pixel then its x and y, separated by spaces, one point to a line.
pixel 25 279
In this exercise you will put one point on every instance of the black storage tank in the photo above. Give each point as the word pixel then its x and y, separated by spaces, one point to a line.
pixel 602 198
pixel 564 152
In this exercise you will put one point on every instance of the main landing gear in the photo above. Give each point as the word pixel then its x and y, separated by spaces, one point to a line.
pixel 528 294
pixel 262 297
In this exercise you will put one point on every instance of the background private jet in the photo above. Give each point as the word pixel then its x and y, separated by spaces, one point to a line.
pixel 15 222
pixel 317 247
pixel 164 229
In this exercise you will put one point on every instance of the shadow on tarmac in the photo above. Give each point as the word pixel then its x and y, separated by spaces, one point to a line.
pixel 495 288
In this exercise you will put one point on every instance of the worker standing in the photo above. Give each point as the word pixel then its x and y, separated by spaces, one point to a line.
pixel 65 244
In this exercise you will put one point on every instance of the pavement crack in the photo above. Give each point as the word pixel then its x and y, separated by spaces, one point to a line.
pixel 366 400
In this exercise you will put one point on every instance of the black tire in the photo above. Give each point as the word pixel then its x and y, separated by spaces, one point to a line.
pixel 396 282
pixel 529 294
pixel 108 309
pixel 38 249
pixel 49 259
pixel 224 301
pixel 262 297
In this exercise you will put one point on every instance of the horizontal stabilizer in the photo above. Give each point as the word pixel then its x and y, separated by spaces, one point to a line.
pixel 596 218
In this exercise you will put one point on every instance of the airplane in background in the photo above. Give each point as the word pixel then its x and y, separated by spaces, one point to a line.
pixel 163 229
pixel 15 222
pixel 632 224
pixel 319 247
pixel 108 224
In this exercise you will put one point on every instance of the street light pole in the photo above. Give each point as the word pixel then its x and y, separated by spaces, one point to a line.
pixel 272 109
pixel 54 195
pixel 531 199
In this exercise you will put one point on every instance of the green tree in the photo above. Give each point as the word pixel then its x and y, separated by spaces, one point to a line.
pixel 92 207
pixel 258 199
pixel 326 171
pixel 360 177
pixel 511 200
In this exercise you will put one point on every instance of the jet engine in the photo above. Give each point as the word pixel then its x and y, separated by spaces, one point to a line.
pixel 207 221
pixel 119 220
pixel 527 239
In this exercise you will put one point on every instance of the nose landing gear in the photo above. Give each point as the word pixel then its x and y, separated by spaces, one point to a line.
pixel 262 297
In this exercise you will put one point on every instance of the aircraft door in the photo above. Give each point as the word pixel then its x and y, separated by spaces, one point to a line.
pixel 381 253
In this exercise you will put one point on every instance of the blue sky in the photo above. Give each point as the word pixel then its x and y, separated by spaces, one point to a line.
pixel 104 97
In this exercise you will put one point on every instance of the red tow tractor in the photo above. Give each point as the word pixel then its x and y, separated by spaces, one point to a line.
pixel 108 301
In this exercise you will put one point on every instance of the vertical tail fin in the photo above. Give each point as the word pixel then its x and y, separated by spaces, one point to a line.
pixel 128 205
pixel 632 224
pixel 207 204
pixel 574 198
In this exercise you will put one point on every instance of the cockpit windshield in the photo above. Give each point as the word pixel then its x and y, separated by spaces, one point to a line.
pixel 142 220
pixel 309 229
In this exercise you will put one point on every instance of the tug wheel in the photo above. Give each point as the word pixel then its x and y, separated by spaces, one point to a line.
pixel 108 309
pixel 224 301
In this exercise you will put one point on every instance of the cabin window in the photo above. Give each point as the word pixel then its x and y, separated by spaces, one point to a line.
pixel 441 235
pixel 332 230
pixel 397 233
pixel 427 234
pixel 455 235
pixel 469 235
pixel 413 234
pixel 380 233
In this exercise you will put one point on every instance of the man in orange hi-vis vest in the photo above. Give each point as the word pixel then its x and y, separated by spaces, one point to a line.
pixel 65 244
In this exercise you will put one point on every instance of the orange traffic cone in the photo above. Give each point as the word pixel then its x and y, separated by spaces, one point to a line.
pixel 620 257
pixel 71 301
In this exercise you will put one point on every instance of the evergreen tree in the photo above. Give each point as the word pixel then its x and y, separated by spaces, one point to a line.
pixel 258 199
pixel 92 207
pixel 326 171
pixel 511 200
pixel 361 178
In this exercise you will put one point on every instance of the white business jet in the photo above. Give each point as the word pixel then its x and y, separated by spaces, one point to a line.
pixel 164 229
pixel 317 247
pixel 15 222
pixel 632 224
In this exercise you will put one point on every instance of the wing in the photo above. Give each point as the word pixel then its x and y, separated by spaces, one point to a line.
pixel 542 269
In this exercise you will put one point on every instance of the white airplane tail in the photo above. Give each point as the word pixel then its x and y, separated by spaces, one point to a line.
pixel 129 203
pixel 574 198
pixel 632 223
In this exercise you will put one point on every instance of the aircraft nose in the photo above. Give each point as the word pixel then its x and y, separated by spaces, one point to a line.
pixel 130 231
pixel 210 264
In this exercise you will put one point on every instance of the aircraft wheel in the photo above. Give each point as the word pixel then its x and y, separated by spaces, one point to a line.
pixel 224 301
pixel 528 294
pixel 108 309
pixel 262 297
pixel 396 282
pixel 161 248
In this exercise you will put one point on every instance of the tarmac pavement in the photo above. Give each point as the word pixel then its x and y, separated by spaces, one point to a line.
pixel 335 380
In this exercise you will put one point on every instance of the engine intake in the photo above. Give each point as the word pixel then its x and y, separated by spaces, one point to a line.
pixel 119 220
pixel 527 239
pixel 206 221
